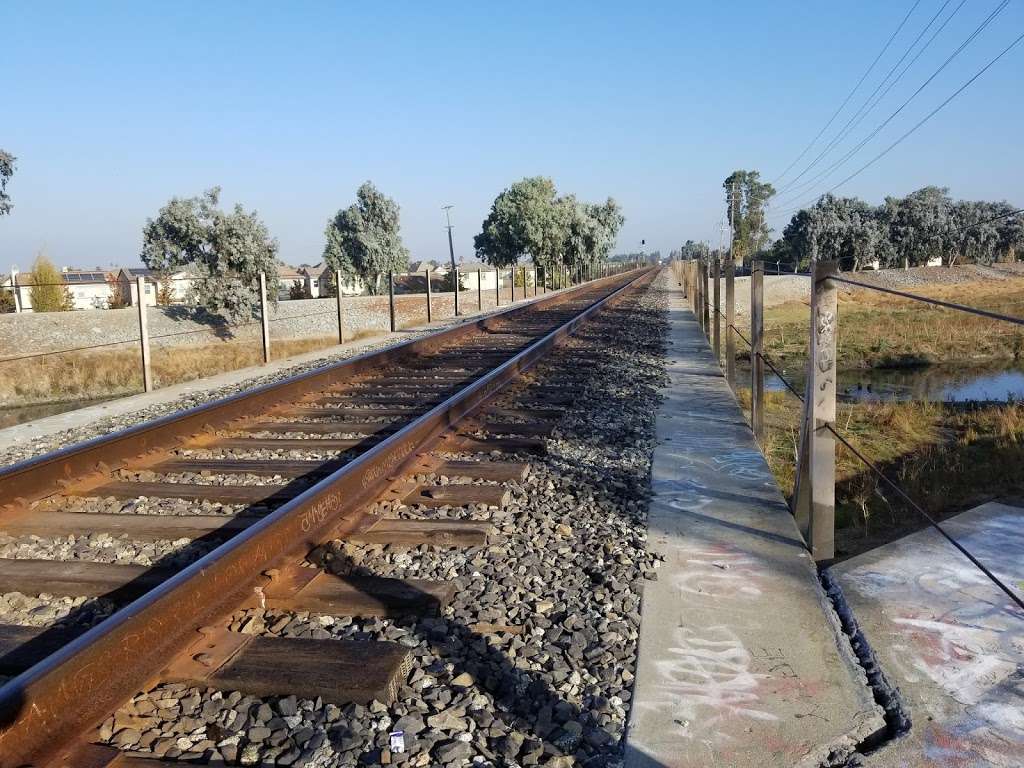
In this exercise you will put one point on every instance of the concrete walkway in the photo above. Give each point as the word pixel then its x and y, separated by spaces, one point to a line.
pixel 948 638
pixel 741 661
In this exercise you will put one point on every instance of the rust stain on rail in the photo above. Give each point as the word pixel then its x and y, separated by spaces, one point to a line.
pixel 44 709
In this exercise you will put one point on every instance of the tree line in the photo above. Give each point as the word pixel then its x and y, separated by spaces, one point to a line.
pixel 901 232
pixel 228 250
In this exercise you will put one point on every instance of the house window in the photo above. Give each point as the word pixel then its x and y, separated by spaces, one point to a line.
pixel 149 288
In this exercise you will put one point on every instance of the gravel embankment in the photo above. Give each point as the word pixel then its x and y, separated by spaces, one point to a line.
pixel 565 581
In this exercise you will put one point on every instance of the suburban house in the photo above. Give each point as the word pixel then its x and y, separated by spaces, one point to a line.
pixel 318 280
pixel 474 275
pixel 127 280
pixel 89 288
pixel 289 278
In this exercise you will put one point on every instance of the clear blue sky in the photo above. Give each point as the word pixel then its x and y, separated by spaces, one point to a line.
pixel 112 108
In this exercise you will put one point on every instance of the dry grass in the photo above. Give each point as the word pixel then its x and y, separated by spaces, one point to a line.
pixel 947 458
pixel 877 330
pixel 104 373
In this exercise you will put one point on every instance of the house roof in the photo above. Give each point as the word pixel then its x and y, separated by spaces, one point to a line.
pixel 289 273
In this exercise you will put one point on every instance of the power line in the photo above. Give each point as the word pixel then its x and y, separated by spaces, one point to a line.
pixel 850 94
pixel 868 105
pixel 978 30
pixel 927 117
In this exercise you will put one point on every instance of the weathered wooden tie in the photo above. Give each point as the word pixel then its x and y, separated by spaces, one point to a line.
pixel 339 671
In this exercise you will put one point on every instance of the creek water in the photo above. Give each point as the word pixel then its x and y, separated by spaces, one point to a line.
pixel 943 384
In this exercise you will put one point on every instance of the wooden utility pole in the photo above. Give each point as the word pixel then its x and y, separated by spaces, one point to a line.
pixel 264 316
pixel 341 317
pixel 147 372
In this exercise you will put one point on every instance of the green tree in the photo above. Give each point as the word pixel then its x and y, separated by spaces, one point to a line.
pixel 7 166
pixel 6 300
pixel 693 250
pixel 48 292
pixel 227 251
pixel 363 240
pixel 525 219
pixel 746 198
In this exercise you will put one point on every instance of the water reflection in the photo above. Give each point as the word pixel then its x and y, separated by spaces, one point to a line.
pixel 931 383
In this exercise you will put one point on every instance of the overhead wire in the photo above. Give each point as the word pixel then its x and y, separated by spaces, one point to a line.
pixel 850 94
pixel 861 112
pixel 860 145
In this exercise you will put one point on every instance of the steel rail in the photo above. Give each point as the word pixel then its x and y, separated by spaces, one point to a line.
pixel 40 476
pixel 44 709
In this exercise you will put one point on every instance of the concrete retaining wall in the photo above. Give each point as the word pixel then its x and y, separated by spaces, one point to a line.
pixel 31 333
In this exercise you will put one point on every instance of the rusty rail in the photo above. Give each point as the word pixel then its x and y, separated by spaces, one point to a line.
pixel 43 710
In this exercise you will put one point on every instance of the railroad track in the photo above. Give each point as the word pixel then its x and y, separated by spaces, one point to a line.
pixel 256 482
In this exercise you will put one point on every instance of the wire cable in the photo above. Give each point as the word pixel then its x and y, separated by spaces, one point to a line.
pixel 927 117
pixel 867 106
pixel 850 94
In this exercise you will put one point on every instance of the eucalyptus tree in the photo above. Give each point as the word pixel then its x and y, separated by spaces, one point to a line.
pixel 525 219
pixel 226 250
pixel 746 198
pixel 7 166
pixel 918 225
pixel 1010 226
pixel 364 240
pixel 694 250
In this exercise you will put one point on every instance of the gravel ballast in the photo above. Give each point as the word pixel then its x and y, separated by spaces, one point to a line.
pixel 549 681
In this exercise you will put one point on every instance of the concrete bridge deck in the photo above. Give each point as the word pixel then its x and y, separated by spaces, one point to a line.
pixel 742 660
pixel 948 639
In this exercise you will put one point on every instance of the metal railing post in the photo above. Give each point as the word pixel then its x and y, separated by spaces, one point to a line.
pixel 479 291
pixel 814 496
pixel 391 299
pixel 429 318
pixel 341 318
pixel 512 275
pixel 147 372
pixel 730 323
pixel 264 316
pixel 757 350
pixel 497 288
pixel 716 327
pixel 455 274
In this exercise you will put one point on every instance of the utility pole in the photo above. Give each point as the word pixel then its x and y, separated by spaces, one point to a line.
pixel 451 250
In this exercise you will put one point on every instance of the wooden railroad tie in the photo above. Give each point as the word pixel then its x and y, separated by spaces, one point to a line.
pixel 339 671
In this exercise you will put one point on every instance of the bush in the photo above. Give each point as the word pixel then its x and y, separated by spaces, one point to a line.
pixel 47 292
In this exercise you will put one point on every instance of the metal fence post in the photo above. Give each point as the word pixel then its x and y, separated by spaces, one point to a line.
pixel 429 318
pixel 147 373
pixel 756 350
pixel 341 318
pixel 479 291
pixel 706 302
pixel 391 299
pixel 264 316
pixel 815 492
pixel 497 288
pixel 730 323
pixel 716 328
pixel 512 276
